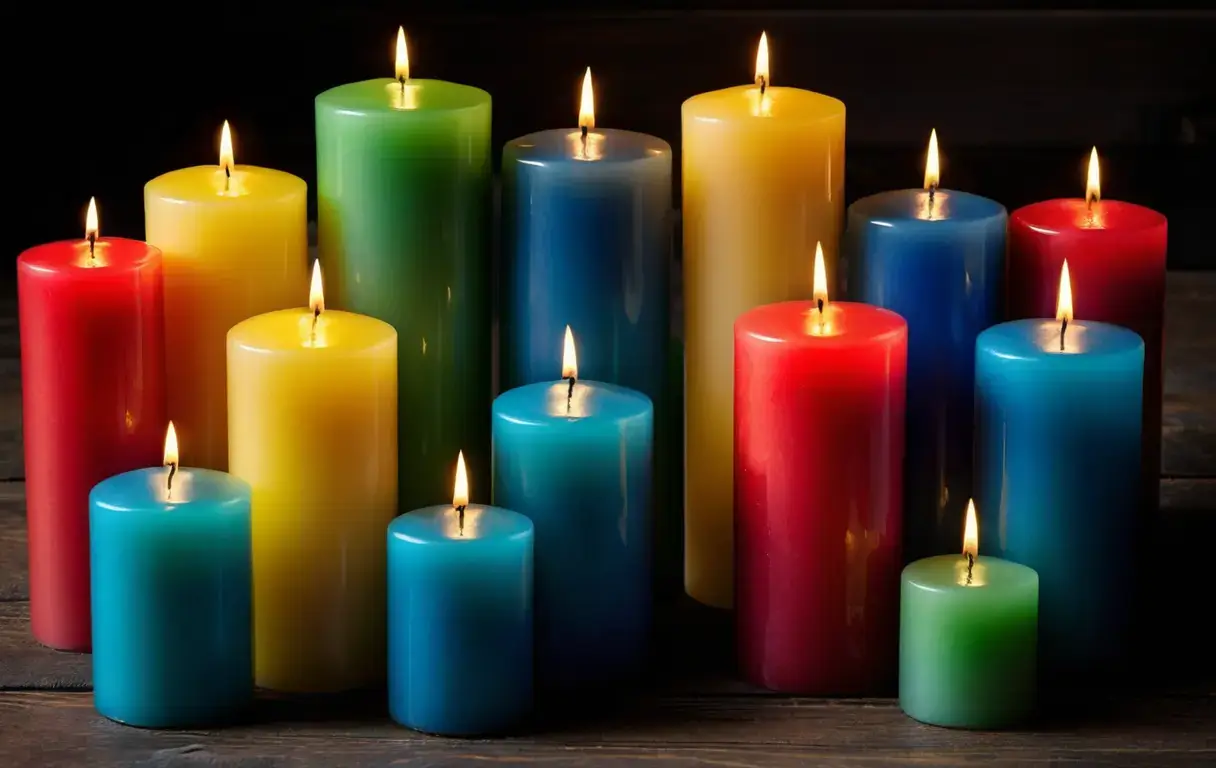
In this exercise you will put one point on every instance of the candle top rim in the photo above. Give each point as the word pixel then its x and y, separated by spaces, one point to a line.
pixel 738 102
pixel 280 331
pixel 554 147
pixel 1073 213
pixel 197 184
pixel 535 404
pixel 136 491
pixel 371 97
pixel 904 207
pixel 69 257
pixel 1036 339
pixel 437 525
pixel 937 574
pixel 785 322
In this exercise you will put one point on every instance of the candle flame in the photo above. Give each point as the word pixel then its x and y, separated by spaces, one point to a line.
pixel 819 281
pixel 933 172
pixel 1064 299
pixel 971 532
pixel 90 220
pixel 316 292
pixel 586 107
pixel 170 446
pixel 762 74
pixel 460 493
pixel 569 358
pixel 226 157
pixel 1093 181
pixel 403 56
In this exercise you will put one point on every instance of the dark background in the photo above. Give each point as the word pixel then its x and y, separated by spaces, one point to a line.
pixel 102 98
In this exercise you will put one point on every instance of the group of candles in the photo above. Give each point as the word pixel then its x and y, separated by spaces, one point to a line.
pixel 820 435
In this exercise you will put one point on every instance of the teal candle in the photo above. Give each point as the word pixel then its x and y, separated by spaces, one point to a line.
pixel 403 226
pixel 967 639
pixel 171 596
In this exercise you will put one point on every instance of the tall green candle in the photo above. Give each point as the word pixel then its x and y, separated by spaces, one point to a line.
pixel 403 226
pixel 967 638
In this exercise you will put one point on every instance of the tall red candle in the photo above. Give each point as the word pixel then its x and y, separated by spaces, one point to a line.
pixel 93 383
pixel 819 438
pixel 1116 255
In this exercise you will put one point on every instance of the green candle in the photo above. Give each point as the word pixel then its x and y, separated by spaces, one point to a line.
pixel 403 192
pixel 967 638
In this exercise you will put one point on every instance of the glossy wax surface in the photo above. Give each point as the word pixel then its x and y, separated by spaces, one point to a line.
pixel 763 182
pixel 172 611
pixel 967 648
pixel 313 429
pixel 1057 477
pixel 403 192
pixel 92 374
pixel 582 475
pixel 819 425
pixel 460 620
pixel 940 265
pixel 229 255
pixel 1116 258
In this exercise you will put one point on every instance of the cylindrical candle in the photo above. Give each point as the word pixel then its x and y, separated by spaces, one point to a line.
pixel 93 378
pixel 313 429
pixel 1116 252
pixel 763 181
pixel 937 257
pixel 403 196
pixel 235 239
pixel 575 457
pixel 460 617
pixel 172 597
pixel 819 421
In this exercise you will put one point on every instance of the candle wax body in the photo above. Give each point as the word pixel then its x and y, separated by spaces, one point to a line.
pixel 942 267
pixel 763 182
pixel 403 192
pixel 1116 260
pixel 967 649
pixel 1057 475
pixel 460 620
pixel 229 255
pixel 172 613
pixel 819 423
pixel 92 377
pixel 582 474
pixel 587 243
pixel 314 431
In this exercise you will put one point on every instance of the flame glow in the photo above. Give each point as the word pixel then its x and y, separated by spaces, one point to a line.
pixel 91 228
pixel 170 446
pixel 226 157
pixel 569 358
pixel 762 74
pixel 819 282
pixel 1093 181
pixel 586 106
pixel 1064 299
pixel 316 292
pixel 460 494
pixel 933 172
pixel 403 56
pixel 971 532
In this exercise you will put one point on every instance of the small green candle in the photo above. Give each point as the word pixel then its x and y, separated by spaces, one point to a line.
pixel 403 226
pixel 967 638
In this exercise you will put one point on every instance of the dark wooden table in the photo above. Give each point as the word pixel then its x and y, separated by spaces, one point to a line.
pixel 1160 711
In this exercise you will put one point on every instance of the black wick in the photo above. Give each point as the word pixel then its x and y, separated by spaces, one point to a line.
pixel 570 394
pixel 227 177
pixel 172 472
pixel 402 80
pixel 316 315
pixel 970 566
pixel 932 192
pixel 460 518
pixel 820 311
pixel 763 83
pixel 1063 328
pixel 92 245
pixel 584 139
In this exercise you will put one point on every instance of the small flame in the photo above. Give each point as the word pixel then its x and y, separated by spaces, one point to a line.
pixel 819 283
pixel 971 532
pixel 1093 181
pixel 403 56
pixel 762 74
pixel 90 220
pixel 226 157
pixel 586 106
pixel 1064 300
pixel 569 358
pixel 316 293
pixel 170 446
pixel 460 494
pixel 933 172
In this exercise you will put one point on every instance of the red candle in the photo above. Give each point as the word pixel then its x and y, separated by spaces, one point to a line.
pixel 1116 254
pixel 93 382
pixel 819 439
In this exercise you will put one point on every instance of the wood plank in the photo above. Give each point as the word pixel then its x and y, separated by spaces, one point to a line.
pixel 14 554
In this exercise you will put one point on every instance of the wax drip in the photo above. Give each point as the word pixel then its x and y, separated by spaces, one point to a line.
pixel 92 249
pixel 570 394
pixel 169 482
pixel 970 566
pixel 460 518
pixel 1063 328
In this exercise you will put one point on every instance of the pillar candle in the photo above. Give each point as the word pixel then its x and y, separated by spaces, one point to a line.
pixel 1057 470
pixel 93 378
pixel 967 637
pixel 937 257
pixel 1116 252
pixel 460 617
pixel 819 429
pixel 575 457
pixel 172 596
pixel 313 429
pixel 235 239
pixel 763 181
pixel 403 196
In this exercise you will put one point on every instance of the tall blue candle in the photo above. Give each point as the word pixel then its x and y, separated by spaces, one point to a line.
pixel 936 257
pixel 575 457
pixel 1058 472
pixel 171 593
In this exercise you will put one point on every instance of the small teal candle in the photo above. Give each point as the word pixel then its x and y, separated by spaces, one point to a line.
pixel 575 457
pixel 1058 470
pixel 171 592
pixel 460 617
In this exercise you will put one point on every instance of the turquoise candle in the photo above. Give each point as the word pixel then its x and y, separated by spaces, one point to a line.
pixel 171 596
pixel 460 617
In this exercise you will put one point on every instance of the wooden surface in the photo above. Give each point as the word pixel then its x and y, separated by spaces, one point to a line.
pixel 1161 712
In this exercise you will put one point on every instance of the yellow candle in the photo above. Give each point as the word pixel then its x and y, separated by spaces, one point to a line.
pixel 235 244
pixel 312 399
pixel 763 181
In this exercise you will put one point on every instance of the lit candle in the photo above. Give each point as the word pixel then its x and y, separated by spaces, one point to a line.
pixel 313 429
pixel 460 617
pixel 819 420
pixel 1057 469
pixel 172 594
pixel 93 378
pixel 937 257
pixel 763 182
pixel 967 638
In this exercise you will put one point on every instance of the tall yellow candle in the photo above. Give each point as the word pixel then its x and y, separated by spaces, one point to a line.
pixel 235 244
pixel 763 181
pixel 312 403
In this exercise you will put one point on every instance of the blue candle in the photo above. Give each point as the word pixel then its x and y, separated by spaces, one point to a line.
pixel 1058 472
pixel 575 457
pixel 460 617
pixel 937 259
pixel 171 589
